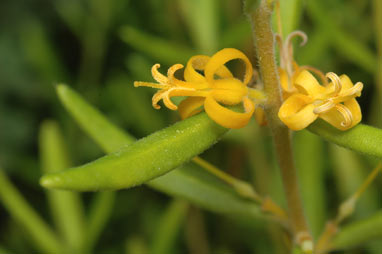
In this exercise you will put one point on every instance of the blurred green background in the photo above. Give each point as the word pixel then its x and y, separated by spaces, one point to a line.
pixel 100 47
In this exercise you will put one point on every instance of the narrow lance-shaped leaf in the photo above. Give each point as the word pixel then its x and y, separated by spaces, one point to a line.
pixel 142 161
pixel 359 232
pixel 361 138
pixel 346 44
pixel 291 12
pixel 163 51
pixel 189 181
pixel 66 206
pixel 109 138
pixel 42 236
pixel 310 158
pixel 100 212
pixel 203 31
pixel 169 226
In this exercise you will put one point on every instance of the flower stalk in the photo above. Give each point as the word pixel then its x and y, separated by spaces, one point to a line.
pixel 264 43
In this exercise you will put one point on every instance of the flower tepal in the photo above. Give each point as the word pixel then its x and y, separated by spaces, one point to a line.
pixel 214 90
pixel 334 103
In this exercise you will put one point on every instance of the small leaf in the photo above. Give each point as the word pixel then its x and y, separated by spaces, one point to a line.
pixel 291 12
pixel 169 226
pixel 201 16
pixel 189 182
pixel 310 161
pixel 105 134
pixel 142 161
pixel 66 206
pixel 346 43
pixel 361 138
pixel 195 184
pixel 41 235
pixel 359 232
pixel 100 212
pixel 164 51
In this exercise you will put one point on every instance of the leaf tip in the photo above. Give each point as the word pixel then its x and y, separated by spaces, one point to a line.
pixel 49 181
pixel 60 88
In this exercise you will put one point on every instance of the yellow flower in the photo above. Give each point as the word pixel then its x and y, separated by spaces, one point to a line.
pixel 334 103
pixel 207 90
pixel 289 69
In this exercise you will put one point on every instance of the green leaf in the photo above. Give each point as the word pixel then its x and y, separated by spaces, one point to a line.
pixel 144 160
pixel 164 51
pixel 100 211
pixel 40 52
pixel 189 182
pixel 109 138
pixel 310 159
pixel 291 12
pixel 169 227
pixel 201 17
pixel 205 190
pixel 350 172
pixel 41 234
pixel 236 34
pixel 359 232
pixel 106 135
pixel 346 44
pixel 361 138
pixel 66 206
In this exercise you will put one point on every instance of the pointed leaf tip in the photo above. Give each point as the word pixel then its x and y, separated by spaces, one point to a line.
pixel 48 181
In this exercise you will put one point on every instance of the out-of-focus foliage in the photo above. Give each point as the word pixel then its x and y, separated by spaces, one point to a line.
pixel 100 47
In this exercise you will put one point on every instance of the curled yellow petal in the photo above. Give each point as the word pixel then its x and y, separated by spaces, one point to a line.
pixel 226 117
pixel 222 57
pixel 200 85
pixel 190 106
pixel 195 63
pixel 229 91
pixel 284 80
pixel 307 84
pixel 199 63
pixel 297 112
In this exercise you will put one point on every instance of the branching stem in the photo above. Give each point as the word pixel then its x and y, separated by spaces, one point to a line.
pixel 264 42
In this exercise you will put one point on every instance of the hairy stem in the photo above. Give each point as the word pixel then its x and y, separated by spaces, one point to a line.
pixel 264 42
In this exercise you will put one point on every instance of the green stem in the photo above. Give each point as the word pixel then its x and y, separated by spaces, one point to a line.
pixel 43 237
pixel 377 6
pixel 264 42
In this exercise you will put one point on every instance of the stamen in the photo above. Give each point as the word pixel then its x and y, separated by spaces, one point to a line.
pixel 336 82
pixel 159 77
pixel 297 33
pixel 156 98
pixel 287 49
pixel 329 104
pixel 149 84
pixel 355 90
pixel 167 101
pixel 346 114
pixel 171 71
